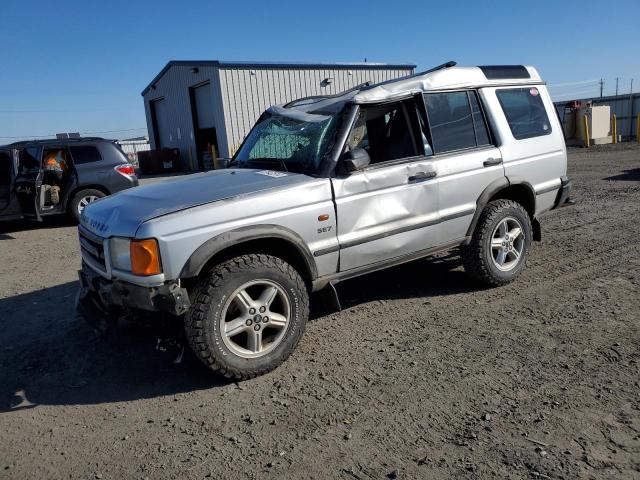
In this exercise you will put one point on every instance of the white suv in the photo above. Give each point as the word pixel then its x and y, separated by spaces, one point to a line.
pixel 329 188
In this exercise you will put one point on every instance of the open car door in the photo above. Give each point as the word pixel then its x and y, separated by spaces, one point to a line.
pixel 9 206
pixel 28 181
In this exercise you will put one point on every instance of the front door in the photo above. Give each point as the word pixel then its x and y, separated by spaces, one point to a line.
pixel 389 209
pixel 28 181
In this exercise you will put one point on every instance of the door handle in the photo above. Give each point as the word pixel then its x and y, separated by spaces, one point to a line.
pixel 490 162
pixel 421 176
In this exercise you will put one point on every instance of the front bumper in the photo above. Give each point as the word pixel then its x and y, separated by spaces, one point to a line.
pixel 98 296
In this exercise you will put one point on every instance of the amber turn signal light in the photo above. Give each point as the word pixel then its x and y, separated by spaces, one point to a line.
pixel 145 257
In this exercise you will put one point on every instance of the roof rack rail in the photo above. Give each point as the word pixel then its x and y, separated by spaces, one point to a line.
pixel 449 64
pixel 442 66
pixel 58 140
pixel 319 98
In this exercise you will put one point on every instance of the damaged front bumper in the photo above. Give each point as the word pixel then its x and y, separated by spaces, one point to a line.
pixel 99 298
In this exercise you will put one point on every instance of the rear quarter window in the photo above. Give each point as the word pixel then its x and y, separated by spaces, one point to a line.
pixel 85 154
pixel 525 112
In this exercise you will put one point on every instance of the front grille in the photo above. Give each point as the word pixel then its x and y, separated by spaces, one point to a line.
pixel 92 250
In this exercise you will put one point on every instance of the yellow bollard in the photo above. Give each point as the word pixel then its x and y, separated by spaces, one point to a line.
pixel 614 128
pixel 585 120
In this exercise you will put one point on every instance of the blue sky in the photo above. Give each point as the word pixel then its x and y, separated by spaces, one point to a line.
pixel 80 66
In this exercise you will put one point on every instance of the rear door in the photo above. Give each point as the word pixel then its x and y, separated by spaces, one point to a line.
pixel 532 139
pixel 466 157
pixel 28 181
pixel 90 168
pixel 387 210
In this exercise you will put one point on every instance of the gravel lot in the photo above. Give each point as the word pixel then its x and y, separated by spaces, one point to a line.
pixel 423 375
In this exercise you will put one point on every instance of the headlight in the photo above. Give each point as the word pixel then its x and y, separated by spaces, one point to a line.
pixel 140 257
pixel 120 250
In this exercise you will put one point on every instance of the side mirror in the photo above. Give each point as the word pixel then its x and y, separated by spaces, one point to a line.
pixel 356 159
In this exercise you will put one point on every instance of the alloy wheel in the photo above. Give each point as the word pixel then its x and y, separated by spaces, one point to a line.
pixel 507 244
pixel 84 201
pixel 255 318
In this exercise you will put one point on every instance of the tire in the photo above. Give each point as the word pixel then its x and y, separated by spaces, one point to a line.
pixel 77 200
pixel 218 301
pixel 482 260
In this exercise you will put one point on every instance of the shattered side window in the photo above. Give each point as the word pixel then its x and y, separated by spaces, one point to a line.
pixel 358 135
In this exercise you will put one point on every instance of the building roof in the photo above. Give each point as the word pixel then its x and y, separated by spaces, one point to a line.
pixel 263 65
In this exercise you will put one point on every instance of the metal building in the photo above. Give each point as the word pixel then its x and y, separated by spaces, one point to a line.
pixel 626 107
pixel 192 104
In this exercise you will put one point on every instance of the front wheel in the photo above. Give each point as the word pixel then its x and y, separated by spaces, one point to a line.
pixel 500 244
pixel 248 315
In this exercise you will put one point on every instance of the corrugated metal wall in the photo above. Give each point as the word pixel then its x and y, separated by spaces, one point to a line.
pixel 174 86
pixel 247 92
pixel 625 107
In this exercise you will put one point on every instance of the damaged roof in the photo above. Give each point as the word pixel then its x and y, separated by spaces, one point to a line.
pixel 443 77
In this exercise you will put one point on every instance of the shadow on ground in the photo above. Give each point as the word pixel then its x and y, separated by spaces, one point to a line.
pixel 627 175
pixel 58 221
pixel 49 357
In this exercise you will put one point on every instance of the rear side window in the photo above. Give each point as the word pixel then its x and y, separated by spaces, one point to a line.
pixel 450 121
pixel 482 133
pixel 456 121
pixel 84 154
pixel 525 112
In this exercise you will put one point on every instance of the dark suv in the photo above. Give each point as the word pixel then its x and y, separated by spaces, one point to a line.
pixel 47 177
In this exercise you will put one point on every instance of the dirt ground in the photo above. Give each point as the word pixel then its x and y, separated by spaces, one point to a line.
pixel 423 375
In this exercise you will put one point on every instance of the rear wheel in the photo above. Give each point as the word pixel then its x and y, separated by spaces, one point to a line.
pixel 81 199
pixel 248 315
pixel 500 244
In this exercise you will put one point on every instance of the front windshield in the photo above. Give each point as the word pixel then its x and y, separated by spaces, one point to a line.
pixel 288 140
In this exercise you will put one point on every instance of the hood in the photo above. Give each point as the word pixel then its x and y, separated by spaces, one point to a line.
pixel 121 214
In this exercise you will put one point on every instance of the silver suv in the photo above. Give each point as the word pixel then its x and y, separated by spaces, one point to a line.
pixel 329 188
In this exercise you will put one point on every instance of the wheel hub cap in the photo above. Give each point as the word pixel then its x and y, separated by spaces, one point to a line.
pixel 507 244
pixel 250 334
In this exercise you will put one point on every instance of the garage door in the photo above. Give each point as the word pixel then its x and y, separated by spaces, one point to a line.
pixel 161 120
pixel 203 99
